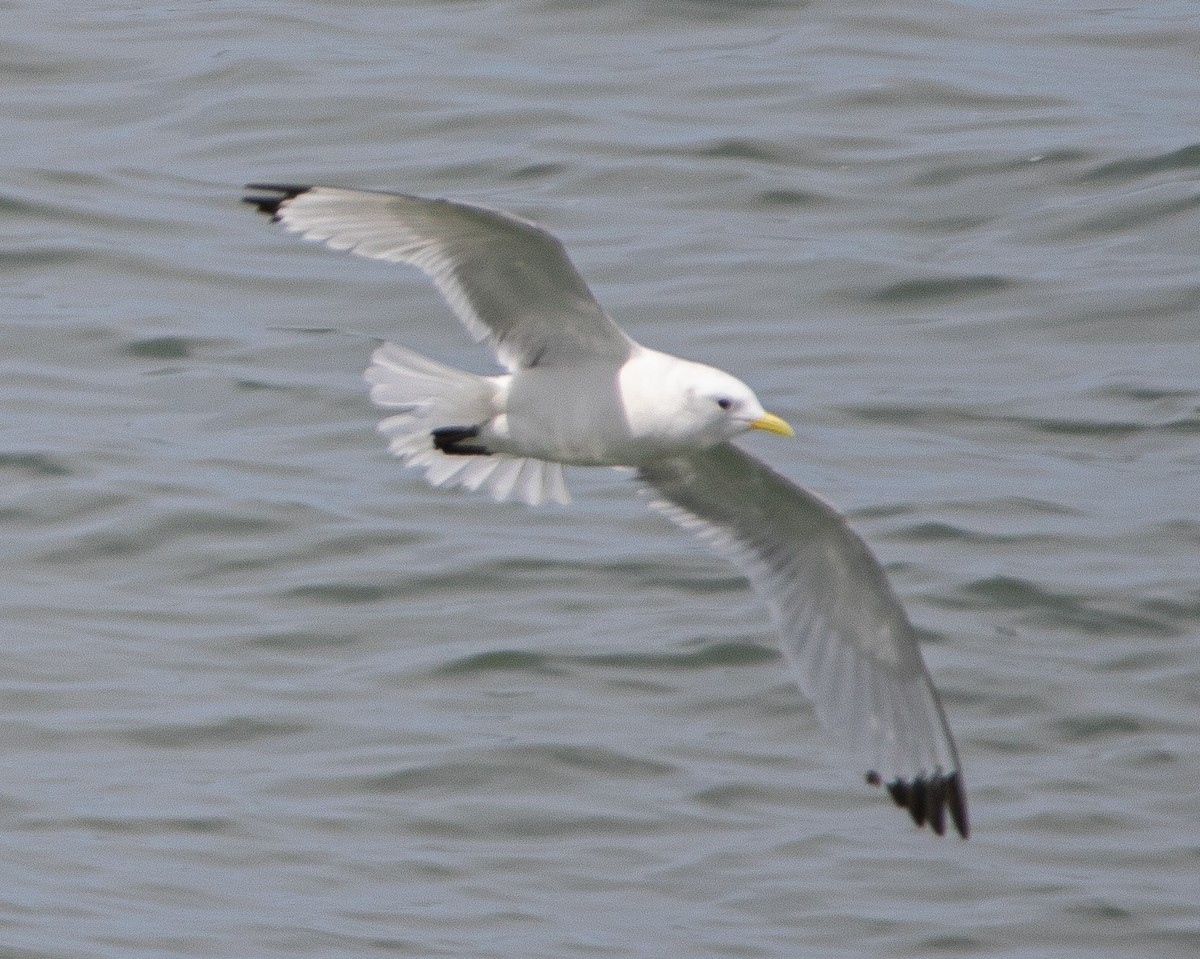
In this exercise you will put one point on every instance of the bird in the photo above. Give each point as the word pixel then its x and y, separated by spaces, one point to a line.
pixel 579 391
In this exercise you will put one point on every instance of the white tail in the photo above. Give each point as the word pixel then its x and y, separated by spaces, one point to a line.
pixel 430 395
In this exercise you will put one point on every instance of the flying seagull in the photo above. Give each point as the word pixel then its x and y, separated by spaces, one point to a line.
pixel 579 391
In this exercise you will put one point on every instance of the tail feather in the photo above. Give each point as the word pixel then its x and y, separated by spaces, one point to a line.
pixel 429 395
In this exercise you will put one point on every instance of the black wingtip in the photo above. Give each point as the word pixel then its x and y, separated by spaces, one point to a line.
pixel 929 798
pixel 270 204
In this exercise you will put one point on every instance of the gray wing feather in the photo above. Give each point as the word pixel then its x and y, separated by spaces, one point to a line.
pixel 508 280
pixel 848 639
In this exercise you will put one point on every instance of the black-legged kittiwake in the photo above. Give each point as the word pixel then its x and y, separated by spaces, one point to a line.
pixel 579 391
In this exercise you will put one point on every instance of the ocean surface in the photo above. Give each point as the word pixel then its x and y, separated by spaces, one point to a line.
pixel 267 694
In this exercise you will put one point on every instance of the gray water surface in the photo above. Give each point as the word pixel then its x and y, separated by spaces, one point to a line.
pixel 266 694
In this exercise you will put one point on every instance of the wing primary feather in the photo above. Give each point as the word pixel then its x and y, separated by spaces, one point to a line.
pixel 270 204
pixel 928 799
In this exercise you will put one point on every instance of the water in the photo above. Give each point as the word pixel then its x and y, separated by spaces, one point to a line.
pixel 267 695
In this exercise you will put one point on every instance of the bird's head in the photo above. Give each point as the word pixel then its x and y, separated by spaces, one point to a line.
pixel 720 406
pixel 674 404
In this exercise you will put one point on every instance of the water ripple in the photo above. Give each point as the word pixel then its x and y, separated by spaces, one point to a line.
pixel 941 288
pixel 1185 159
pixel 705 655
pixel 234 731
pixel 1043 606
pixel 512 767
pixel 35 464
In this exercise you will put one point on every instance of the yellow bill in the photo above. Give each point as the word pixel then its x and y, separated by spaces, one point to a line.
pixel 773 424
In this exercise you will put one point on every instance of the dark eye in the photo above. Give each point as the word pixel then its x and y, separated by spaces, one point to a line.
pixel 725 403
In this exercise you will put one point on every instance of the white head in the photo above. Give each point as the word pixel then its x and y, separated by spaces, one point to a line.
pixel 693 405
pixel 722 406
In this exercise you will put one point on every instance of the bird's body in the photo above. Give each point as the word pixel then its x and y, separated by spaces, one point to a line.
pixel 623 429
pixel 580 392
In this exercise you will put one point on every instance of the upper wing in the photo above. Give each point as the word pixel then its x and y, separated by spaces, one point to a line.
pixel 508 280
pixel 848 638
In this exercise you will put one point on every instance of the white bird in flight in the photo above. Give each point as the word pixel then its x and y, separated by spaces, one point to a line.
pixel 580 391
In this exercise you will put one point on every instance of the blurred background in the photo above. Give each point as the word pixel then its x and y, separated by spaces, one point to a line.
pixel 267 694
